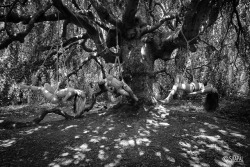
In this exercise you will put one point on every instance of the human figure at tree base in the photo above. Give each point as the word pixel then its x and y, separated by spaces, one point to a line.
pixel 212 97
pixel 117 87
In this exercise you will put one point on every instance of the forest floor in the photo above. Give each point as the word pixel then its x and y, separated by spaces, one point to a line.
pixel 178 134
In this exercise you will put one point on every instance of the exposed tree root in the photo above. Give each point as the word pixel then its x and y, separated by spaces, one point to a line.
pixel 139 109
pixel 5 124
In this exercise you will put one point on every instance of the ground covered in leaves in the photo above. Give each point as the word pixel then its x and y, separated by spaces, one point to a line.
pixel 178 134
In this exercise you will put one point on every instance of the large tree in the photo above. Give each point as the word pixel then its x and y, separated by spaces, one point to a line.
pixel 138 32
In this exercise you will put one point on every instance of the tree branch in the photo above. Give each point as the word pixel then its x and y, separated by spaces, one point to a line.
pixel 76 5
pixel 210 45
pixel 55 111
pixel 67 42
pixel 66 45
pixel 102 12
pixel 109 57
pixel 20 36
pixel 11 8
pixel 199 67
pixel 197 13
pixel 75 18
pixel 101 66
pixel 15 18
pixel 103 26
pixel 128 17
pixel 80 67
pixel 149 29
pixel 237 16
pixel 14 125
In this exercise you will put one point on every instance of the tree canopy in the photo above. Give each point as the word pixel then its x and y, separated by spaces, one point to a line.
pixel 65 35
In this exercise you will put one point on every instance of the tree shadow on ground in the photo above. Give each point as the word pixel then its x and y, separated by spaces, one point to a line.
pixel 170 135
pixel 236 109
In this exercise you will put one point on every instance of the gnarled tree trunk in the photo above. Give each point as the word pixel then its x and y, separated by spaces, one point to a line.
pixel 138 70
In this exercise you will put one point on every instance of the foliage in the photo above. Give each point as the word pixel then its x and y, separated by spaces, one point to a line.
pixel 65 35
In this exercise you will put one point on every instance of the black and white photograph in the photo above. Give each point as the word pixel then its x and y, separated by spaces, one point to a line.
pixel 124 83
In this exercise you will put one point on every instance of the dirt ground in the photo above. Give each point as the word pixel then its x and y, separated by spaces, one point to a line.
pixel 178 134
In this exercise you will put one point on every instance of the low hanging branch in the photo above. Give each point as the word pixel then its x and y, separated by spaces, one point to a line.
pixel 4 124
pixel 15 18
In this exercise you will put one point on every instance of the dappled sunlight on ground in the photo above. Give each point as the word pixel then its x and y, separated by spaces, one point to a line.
pixel 7 142
pixel 24 113
pixel 166 136
pixel 69 127
pixel 32 130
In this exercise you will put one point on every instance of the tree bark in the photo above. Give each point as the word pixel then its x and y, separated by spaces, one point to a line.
pixel 138 70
